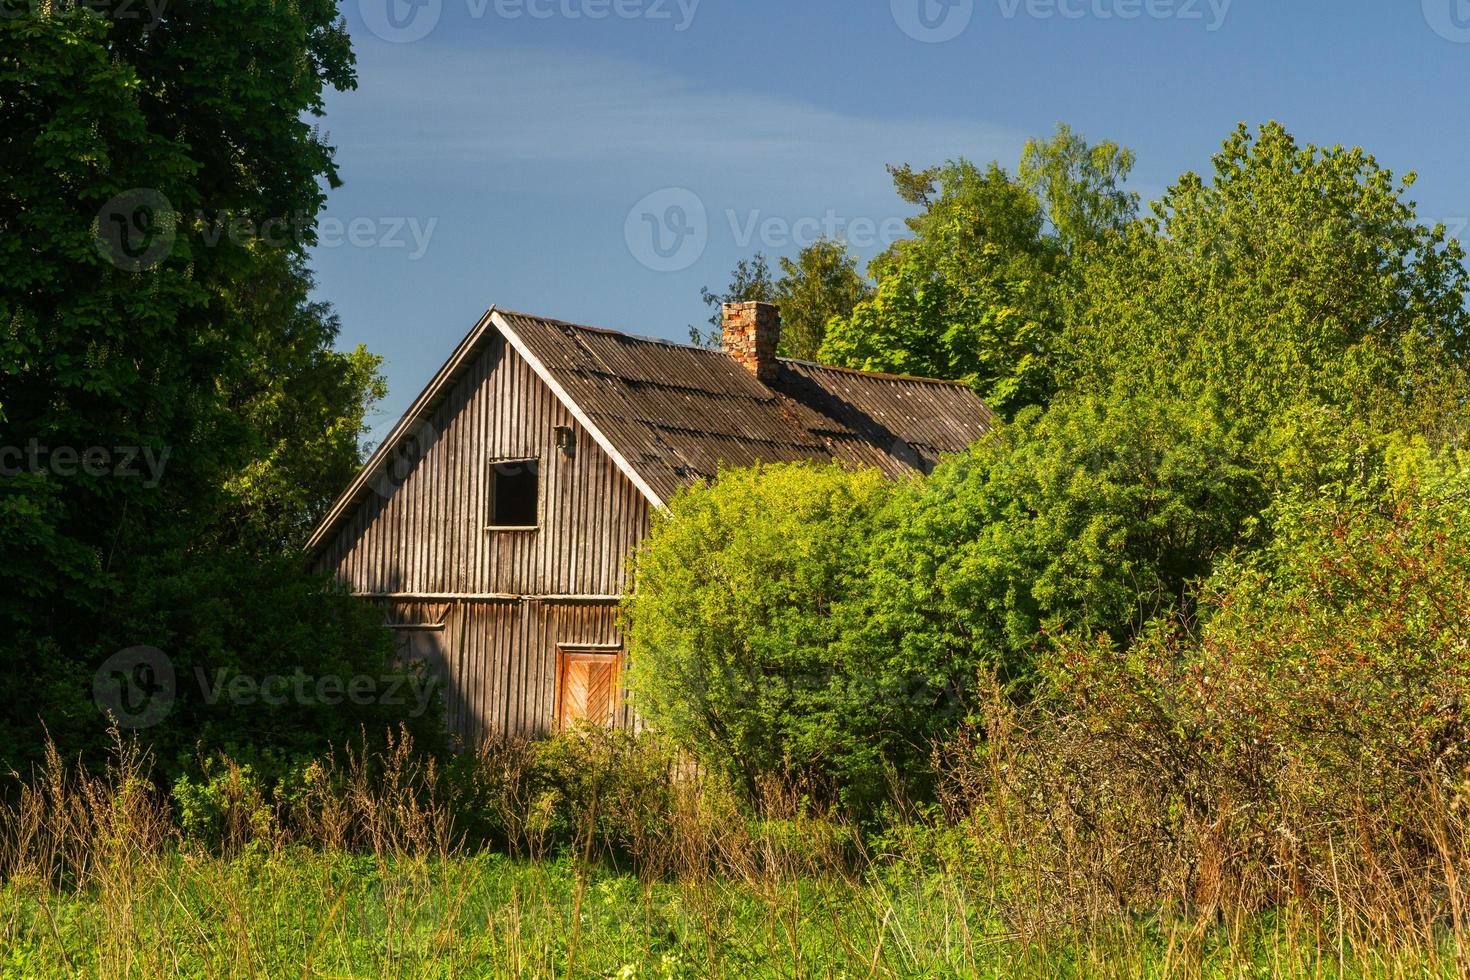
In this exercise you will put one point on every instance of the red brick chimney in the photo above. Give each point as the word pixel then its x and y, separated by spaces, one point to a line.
pixel 752 333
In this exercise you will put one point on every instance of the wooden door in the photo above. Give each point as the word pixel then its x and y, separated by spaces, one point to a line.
pixel 426 649
pixel 588 686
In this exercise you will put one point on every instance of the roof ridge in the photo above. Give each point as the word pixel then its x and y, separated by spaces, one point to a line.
pixel 665 342
pixel 610 331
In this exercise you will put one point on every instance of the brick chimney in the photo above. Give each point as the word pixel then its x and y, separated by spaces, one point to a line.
pixel 752 332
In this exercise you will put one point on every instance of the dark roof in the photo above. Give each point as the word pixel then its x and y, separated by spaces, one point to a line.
pixel 671 414
pixel 677 413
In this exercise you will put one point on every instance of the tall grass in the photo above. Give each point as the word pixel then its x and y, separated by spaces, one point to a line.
pixel 600 855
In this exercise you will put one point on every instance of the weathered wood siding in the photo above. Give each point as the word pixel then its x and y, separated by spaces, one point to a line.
pixel 502 601
pixel 496 661
pixel 420 530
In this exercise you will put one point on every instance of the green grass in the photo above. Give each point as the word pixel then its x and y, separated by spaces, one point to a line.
pixel 305 913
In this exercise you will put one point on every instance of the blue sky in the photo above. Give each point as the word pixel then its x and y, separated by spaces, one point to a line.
pixel 601 160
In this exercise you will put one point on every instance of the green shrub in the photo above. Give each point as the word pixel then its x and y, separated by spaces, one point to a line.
pixel 1340 651
pixel 225 810
pixel 610 790
pixel 606 792
pixel 1307 743
pixel 1092 515
pixel 736 624
pixel 282 634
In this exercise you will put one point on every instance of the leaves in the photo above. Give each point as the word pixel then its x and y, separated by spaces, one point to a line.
pixel 127 329
pixel 734 624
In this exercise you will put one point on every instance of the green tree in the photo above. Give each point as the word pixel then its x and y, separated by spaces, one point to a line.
pixel 301 407
pixel 976 294
pixel 1081 185
pixel 1298 277
pixel 1093 516
pixel 977 225
pixel 928 325
pixel 822 283
pixel 161 180
pixel 750 282
pixel 965 298
pixel 1258 336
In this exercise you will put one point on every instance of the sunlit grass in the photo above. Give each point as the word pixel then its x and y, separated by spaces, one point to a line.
pixel 300 912
pixel 100 877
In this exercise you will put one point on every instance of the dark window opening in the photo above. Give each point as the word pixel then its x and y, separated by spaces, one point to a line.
pixel 566 441
pixel 513 493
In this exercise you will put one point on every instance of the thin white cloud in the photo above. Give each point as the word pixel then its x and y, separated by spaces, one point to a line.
pixel 518 110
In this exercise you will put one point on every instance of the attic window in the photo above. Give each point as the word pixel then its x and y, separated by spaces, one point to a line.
pixel 514 494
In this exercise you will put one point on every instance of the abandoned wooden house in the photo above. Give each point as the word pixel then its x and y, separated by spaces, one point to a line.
pixel 495 521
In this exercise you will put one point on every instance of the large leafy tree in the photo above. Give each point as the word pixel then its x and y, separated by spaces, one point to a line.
pixel 964 298
pixel 1081 185
pixel 821 283
pixel 974 295
pixel 161 180
pixel 929 326
pixel 1257 336
pixel 977 221
pixel 1297 278
pixel 300 406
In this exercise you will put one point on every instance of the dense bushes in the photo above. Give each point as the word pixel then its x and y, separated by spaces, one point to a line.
pixel 1308 747
pixel 1220 368
pixel 1096 514
pixel 814 620
pixel 784 623
pixel 274 668
pixel 735 624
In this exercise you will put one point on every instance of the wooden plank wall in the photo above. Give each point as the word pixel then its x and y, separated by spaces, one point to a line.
pixel 420 533
pixel 501 659
pixel 420 530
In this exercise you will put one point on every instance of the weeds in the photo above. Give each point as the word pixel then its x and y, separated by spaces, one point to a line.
pixel 600 854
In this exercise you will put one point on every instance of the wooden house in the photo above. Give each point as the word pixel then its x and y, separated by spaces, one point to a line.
pixel 494 523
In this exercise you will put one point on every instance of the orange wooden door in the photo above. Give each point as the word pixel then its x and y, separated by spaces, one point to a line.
pixel 589 688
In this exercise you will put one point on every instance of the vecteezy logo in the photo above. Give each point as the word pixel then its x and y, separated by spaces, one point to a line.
pixel 135 687
pixel 933 21
pixel 401 21
pixel 404 457
pixel 1449 18
pixel 668 230
pixel 135 230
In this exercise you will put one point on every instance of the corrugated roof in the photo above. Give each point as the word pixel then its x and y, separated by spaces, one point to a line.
pixel 678 413
pixel 672 415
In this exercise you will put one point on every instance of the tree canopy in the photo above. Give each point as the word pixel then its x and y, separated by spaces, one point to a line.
pixel 1200 403
pixel 1299 276
pixel 975 295
pixel 822 282
pixel 162 182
